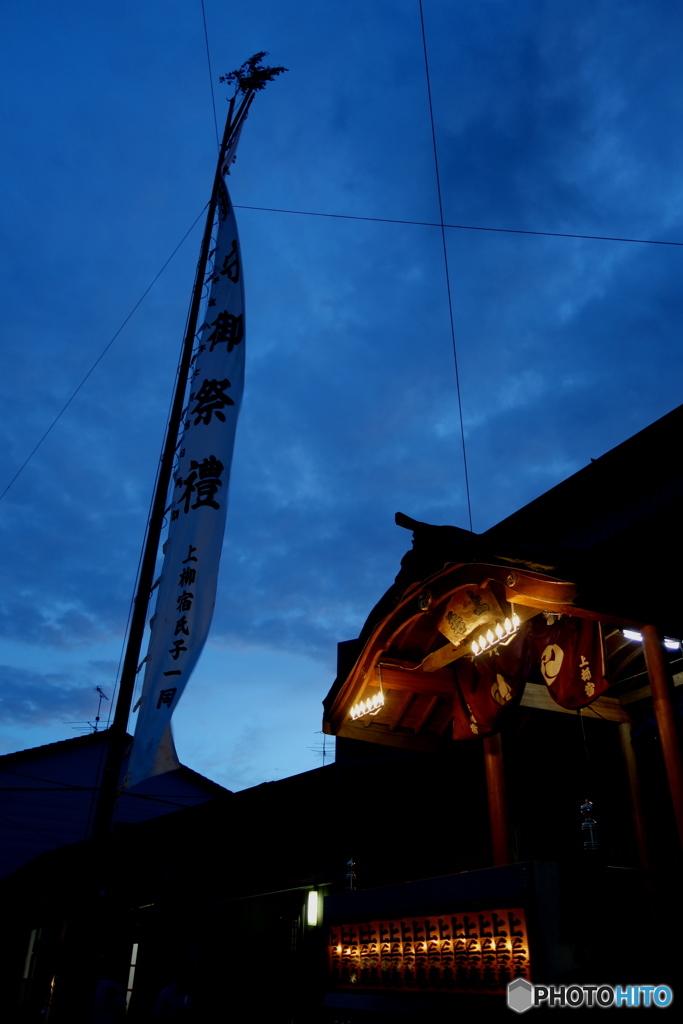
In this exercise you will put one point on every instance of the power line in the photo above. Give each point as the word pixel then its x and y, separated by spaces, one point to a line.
pixel 131 604
pixel 70 787
pixel 445 263
pixel 20 824
pixel 39 778
pixel 208 60
pixel 99 358
pixel 336 216
pixel 459 227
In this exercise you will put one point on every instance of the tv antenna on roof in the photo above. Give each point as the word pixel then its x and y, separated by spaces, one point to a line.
pixel 90 725
pixel 103 696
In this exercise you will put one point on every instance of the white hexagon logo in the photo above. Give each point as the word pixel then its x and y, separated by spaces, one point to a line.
pixel 520 995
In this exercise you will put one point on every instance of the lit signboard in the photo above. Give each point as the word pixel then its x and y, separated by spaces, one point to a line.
pixel 464 952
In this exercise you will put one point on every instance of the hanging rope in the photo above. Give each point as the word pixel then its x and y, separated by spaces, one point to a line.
pixel 208 61
pixel 99 358
pixel 445 262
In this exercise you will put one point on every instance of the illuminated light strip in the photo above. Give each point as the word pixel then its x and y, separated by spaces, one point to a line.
pixel 131 973
pixel 367 707
pixel 669 642
pixel 501 634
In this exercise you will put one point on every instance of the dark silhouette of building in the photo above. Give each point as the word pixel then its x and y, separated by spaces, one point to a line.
pixel 49 795
pixel 418 873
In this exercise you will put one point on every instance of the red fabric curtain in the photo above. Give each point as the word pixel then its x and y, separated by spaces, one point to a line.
pixel 570 659
pixel 567 656
pixel 488 686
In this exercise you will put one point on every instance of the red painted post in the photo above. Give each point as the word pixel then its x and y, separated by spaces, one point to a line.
pixel 498 815
pixel 661 686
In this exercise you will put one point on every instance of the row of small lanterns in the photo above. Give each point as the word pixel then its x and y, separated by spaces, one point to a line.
pixel 496 636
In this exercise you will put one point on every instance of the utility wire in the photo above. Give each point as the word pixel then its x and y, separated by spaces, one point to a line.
pixel 100 357
pixel 39 778
pixel 336 216
pixel 208 60
pixel 445 263
pixel 131 605
pixel 139 796
pixel 137 574
pixel 459 227
pixel 20 824
pixel 70 787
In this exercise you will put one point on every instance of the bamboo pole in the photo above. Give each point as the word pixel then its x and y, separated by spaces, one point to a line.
pixel 117 732
pixel 662 690
pixel 498 815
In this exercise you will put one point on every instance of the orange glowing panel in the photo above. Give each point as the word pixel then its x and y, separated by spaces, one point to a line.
pixel 463 952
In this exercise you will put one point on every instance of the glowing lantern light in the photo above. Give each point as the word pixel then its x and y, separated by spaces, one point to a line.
pixel 367 707
pixel 312 907
pixel 503 634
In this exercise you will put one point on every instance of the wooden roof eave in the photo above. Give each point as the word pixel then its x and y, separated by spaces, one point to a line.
pixel 533 589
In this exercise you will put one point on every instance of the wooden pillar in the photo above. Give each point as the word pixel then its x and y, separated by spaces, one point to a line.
pixel 634 789
pixel 498 815
pixel 661 686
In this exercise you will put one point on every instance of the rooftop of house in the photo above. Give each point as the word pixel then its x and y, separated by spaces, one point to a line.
pixel 50 794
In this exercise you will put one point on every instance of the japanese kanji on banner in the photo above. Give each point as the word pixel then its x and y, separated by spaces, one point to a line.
pixel 570 658
pixel 198 504
pixel 487 686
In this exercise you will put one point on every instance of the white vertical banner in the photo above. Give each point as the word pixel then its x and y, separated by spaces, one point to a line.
pixel 199 499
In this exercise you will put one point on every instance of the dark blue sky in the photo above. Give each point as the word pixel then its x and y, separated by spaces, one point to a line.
pixel 561 117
